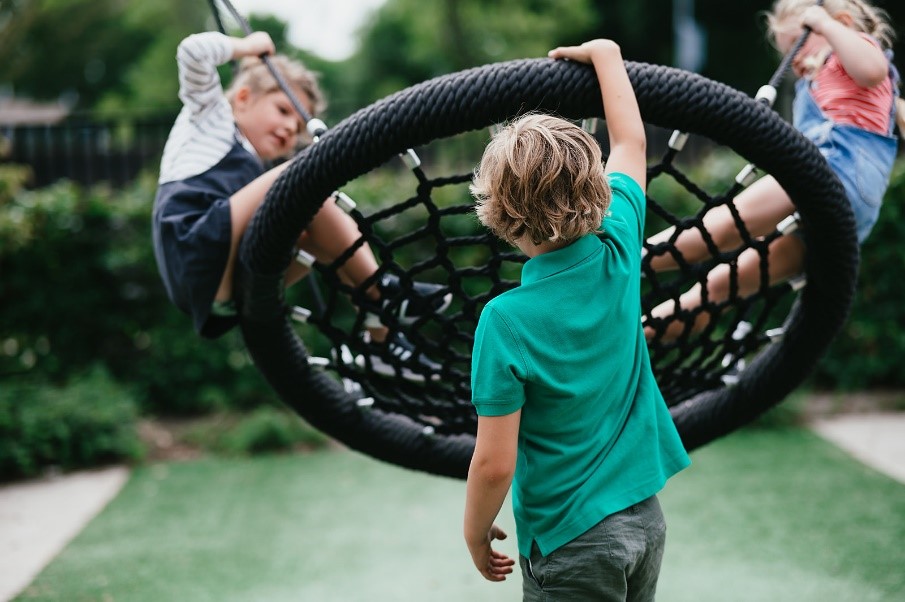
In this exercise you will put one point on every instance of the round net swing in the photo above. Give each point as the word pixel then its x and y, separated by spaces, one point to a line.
pixel 428 423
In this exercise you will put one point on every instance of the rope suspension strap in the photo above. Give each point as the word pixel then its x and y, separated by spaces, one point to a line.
pixel 432 235
pixel 767 92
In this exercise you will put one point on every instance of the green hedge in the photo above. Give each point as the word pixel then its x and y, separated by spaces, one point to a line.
pixel 868 353
pixel 89 422
pixel 268 429
pixel 80 287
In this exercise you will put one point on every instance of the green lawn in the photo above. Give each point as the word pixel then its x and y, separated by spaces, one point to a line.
pixel 764 515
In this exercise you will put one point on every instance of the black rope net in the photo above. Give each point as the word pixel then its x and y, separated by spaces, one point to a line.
pixel 737 326
pixel 423 419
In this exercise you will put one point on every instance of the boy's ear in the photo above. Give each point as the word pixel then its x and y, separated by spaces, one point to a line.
pixel 242 95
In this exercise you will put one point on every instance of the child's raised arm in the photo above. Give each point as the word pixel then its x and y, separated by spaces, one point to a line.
pixel 628 143
pixel 254 44
pixel 198 56
pixel 864 62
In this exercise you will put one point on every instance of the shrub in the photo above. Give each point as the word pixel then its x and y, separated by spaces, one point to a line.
pixel 80 287
pixel 869 351
pixel 266 429
pixel 269 430
pixel 89 422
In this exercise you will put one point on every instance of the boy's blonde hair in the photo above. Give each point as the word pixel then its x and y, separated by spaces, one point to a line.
pixel 865 17
pixel 541 177
pixel 255 75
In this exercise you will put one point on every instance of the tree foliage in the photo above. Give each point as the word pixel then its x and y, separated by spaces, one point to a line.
pixel 119 55
pixel 86 51
pixel 406 42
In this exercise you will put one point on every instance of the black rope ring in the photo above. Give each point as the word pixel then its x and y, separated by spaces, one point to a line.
pixel 477 98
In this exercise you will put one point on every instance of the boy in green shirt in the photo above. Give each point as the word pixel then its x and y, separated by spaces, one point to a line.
pixel 569 413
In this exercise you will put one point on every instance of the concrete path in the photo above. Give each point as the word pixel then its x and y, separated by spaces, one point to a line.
pixel 878 439
pixel 38 518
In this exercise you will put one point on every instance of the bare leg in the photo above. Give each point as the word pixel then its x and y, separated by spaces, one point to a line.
pixel 330 233
pixel 785 258
pixel 242 206
pixel 761 206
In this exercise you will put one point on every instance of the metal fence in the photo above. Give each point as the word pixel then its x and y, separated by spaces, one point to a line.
pixel 115 150
pixel 87 151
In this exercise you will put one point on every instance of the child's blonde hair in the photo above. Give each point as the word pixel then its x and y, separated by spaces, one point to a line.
pixel 255 75
pixel 541 177
pixel 865 18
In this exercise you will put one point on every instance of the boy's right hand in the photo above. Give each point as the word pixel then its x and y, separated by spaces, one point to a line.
pixel 254 44
pixel 586 52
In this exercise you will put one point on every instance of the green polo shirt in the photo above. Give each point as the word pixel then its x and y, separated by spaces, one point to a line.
pixel 568 349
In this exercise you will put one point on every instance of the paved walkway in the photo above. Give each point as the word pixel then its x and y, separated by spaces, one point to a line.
pixel 38 518
pixel 878 439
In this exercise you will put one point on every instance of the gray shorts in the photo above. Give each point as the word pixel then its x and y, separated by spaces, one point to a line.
pixel 617 559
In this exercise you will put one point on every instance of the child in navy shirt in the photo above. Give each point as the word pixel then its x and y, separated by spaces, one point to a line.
pixel 213 178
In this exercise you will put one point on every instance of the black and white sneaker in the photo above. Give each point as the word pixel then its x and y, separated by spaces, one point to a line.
pixel 397 356
pixel 422 299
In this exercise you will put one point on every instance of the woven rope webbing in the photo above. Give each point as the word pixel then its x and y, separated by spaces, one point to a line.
pixel 688 369
pixel 696 362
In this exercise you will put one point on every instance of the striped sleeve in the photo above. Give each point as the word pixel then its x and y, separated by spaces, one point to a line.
pixel 198 57
pixel 205 129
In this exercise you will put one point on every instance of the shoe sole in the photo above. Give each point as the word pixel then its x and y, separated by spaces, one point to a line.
pixel 447 300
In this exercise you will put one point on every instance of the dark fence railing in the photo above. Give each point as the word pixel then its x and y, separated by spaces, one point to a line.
pixel 115 150
pixel 87 151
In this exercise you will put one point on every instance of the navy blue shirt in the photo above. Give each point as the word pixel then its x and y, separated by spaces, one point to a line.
pixel 192 231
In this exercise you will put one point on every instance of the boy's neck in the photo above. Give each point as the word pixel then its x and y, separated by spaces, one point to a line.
pixel 533 250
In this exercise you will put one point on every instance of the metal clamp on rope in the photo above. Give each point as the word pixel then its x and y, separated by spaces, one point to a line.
pixel 316 128
pixel 776 334
pixel 798 282
pixel 766 94
pixel 747 175
pixel 789 224
pixel 305 258
pixel 411 159
pixel 344 202
pixel 300 314
pixel 677 140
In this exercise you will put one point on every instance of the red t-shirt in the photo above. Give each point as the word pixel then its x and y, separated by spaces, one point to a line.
pixel 844 101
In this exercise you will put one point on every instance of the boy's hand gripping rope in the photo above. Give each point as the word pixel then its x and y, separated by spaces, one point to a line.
pixel 315 126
